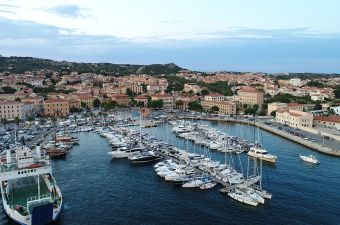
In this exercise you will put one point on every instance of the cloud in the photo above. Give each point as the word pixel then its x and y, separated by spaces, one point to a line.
pixel 71 11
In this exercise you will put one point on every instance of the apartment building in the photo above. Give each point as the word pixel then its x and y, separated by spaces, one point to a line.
pixel 275 106
pixel 192 87
pixel 227 108
pixel 332 121
pixel 168 100
pixel 250 97
pixel 56 107
pixel 294 118
pixel 121 99
pixel 83 97
pixel 215 97
pixel 11 109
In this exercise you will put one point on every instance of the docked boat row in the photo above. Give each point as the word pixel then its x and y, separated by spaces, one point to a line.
pixel 214 139
pixel 182 168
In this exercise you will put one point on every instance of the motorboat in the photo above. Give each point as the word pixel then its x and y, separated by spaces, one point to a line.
pixel 262 154
pixel 310 159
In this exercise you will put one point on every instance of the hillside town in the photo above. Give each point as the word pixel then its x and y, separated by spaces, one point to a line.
pixel 309 104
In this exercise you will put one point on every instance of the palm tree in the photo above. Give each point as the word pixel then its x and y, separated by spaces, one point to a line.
pixel 53 119
pixel 17 121
pixel 91 116
pixel 30 119
pixel 75 119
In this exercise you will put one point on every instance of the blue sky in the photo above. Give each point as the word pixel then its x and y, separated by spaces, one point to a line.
pixel 245 35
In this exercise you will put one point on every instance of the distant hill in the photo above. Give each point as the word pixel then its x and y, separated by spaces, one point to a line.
pixel 22 64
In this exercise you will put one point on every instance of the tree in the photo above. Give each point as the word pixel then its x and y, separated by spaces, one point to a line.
pixel 109 105
pixel 318 106
pixel 4 122
pixel 8 90
pixel 144 87
pixel 30 119
pixel 156 104
pixel 130 93
pixel 315 83
pixel 140 104
pixel 204 92
pixel 273 113
pixel 54 120
pixel 96 103
pixel 195 106
pixel 91 116
pixel 179 103
pixel 17 121
pixel 337 92
pixel 83 105
pixel 214 109
pixel 17 99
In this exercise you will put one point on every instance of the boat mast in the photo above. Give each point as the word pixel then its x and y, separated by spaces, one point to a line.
pixel 140 127
pixel 39 187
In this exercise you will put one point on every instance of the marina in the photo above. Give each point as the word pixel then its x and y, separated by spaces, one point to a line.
pixel 137 191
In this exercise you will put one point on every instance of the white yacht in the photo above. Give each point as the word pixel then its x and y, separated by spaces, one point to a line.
pixel 310 159
pixel 30 195
pixel 243 197
pixel 262 154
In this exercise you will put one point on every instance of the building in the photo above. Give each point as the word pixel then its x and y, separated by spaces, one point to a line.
pixel 275 106
pixel 332 121
pixel 214 97
pixel 168 100
pixel 11 109
pixel 85 98
pixel 56 107
pixel 192 87
pixel 74 104
pixel 121 99
pixel 227 108
pixel 141 98
pixel 295 82
pixel 294 118
pixel 317 97
pixel 250 97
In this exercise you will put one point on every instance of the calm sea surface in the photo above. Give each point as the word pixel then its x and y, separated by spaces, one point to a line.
pixel 98 190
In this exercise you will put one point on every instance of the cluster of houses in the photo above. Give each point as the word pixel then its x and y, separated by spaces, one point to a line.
pixel 77 91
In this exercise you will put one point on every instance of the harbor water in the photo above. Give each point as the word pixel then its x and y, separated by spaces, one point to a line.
pixel 98 190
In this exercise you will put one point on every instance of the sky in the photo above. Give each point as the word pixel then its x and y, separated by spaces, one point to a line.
pixel 207 35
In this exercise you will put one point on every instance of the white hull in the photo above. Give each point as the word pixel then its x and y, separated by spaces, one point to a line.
pixel 262 157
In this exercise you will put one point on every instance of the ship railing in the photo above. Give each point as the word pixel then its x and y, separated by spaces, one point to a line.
pixel 38 199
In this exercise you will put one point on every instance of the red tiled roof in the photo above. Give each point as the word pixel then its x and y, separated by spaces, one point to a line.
pixel 55 100
pixel 332 118
pixel 293 104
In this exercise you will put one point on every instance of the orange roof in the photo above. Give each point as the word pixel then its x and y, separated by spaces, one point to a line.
pixel 332 118
pixel 293 104
pixel 55 100
pixel 140 97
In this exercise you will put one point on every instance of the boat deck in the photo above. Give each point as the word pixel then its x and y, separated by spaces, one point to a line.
pixel 28 187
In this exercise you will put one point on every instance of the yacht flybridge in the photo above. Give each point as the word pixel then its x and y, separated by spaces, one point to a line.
pixel 29 192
